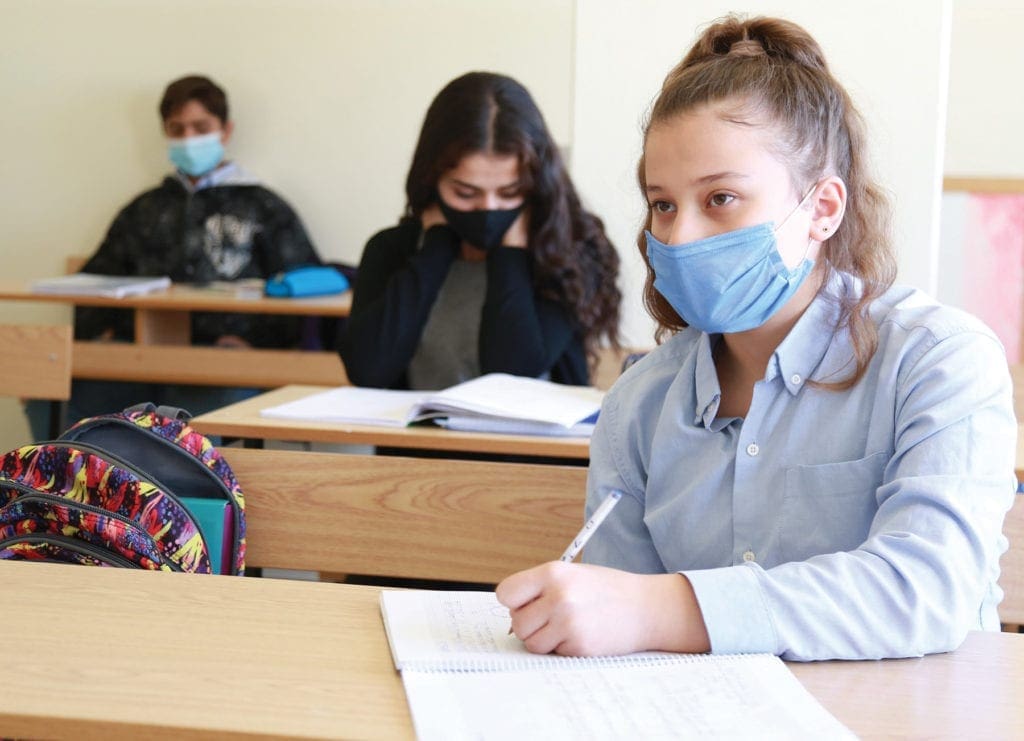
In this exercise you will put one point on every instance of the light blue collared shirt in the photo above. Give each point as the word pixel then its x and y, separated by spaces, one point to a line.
pixel 855 524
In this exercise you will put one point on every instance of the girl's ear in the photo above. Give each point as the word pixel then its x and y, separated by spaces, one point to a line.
pixel 828 204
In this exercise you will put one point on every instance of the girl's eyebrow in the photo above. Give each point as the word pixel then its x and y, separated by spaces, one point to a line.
pixel 470 186
pixel 726 175
pixel 704 180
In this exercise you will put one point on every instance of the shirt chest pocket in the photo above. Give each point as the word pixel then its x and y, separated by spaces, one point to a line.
pixel 829 507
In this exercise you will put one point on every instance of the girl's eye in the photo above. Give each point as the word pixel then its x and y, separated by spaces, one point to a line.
pixel 720 199
pixel 464 193
pixel 662 207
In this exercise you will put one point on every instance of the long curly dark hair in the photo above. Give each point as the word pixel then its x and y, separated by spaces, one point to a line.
pixel 573 261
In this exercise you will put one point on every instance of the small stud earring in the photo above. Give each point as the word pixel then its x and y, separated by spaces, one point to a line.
pixel 824 229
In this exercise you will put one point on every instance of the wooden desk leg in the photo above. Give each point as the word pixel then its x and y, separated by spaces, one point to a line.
pixel 162 327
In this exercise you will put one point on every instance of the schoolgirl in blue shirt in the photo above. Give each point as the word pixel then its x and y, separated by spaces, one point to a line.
pixel 816 463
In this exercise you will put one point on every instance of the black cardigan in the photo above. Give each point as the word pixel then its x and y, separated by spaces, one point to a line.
pixel 397 284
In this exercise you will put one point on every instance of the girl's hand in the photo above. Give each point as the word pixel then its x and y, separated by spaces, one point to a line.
pixel 586 610
pixel 432 216
pixel 517 234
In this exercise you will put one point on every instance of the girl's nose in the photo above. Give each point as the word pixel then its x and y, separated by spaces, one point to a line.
pixel 683 230
pixel 489 202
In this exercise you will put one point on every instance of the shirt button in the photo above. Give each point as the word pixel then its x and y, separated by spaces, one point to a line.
pixel 752 449
pixel 795 379
pixel 748 556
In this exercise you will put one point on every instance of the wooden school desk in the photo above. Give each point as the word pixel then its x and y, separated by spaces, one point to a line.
pixel 243 419
pixel 1020 453
pixel 161 352
pixel 119 653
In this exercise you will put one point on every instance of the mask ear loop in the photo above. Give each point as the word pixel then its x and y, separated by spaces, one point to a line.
pixel 803 200
pixel 797 207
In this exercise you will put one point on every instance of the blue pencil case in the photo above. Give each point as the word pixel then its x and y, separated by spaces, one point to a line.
pixel 312 280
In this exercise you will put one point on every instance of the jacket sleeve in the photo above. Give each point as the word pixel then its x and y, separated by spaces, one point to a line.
pixel 115 256
pixel 281 243
pixel 395 288
pixel 520 332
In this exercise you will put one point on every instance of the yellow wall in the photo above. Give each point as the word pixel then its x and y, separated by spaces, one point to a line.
pixel 986 107
pixel 328 96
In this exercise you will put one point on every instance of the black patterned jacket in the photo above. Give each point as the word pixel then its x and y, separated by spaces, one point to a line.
pixel 236 229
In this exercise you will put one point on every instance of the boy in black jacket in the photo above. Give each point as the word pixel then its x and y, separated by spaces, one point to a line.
pixel 209 221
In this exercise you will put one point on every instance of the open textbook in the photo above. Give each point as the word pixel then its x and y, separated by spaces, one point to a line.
pixel 92 284
pixel 496 402
pixel 466 677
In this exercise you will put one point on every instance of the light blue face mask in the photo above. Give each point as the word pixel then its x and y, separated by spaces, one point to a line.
pixel 196 155
pixel 730 282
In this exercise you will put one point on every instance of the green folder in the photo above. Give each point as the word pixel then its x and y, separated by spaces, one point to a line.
pixel 218 526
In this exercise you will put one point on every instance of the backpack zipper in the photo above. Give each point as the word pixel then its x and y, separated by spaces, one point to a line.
pixel 129 466
pixel 74 545
pixel 28 494
pixel 228 494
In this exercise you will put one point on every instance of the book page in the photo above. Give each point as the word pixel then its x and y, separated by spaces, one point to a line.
pixel 517 397
pixel 753 696
pixel 352 405
pixel 514 426
pixel 92 284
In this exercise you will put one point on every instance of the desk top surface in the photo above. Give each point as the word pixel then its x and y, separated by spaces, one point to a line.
pixel 183 297
pixel 1020 453
pixel 243 420
pixel 117 653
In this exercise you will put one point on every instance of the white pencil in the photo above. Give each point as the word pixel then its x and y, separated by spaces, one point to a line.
pixel 592 524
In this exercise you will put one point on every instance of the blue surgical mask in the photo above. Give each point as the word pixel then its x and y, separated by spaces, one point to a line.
pixel 730 282
pixel 196 155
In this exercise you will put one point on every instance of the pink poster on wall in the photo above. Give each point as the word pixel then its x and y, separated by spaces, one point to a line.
pixel 993 260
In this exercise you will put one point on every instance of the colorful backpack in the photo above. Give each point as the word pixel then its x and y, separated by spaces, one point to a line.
pixel 139 488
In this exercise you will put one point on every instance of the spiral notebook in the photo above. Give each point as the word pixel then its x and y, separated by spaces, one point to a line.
pixel 466 677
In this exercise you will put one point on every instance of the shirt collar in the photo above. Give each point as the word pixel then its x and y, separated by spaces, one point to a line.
pixel 227 174
pixel 706 385
pixel 798 358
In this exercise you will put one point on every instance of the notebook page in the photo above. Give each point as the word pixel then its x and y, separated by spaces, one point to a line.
pixel 461 630
pixel 752 696
pixel 349 404
pixel 436 628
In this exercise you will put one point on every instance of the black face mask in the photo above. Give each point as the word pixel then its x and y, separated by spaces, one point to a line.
pixel 482 229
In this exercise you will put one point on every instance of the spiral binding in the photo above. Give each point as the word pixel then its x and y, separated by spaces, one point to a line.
pixel 528 662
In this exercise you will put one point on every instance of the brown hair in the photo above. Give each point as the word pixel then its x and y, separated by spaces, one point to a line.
pixel 195 87
pixel 574 263
pixel 776 72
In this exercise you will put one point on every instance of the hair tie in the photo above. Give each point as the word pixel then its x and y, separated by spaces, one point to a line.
pixel 747 48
